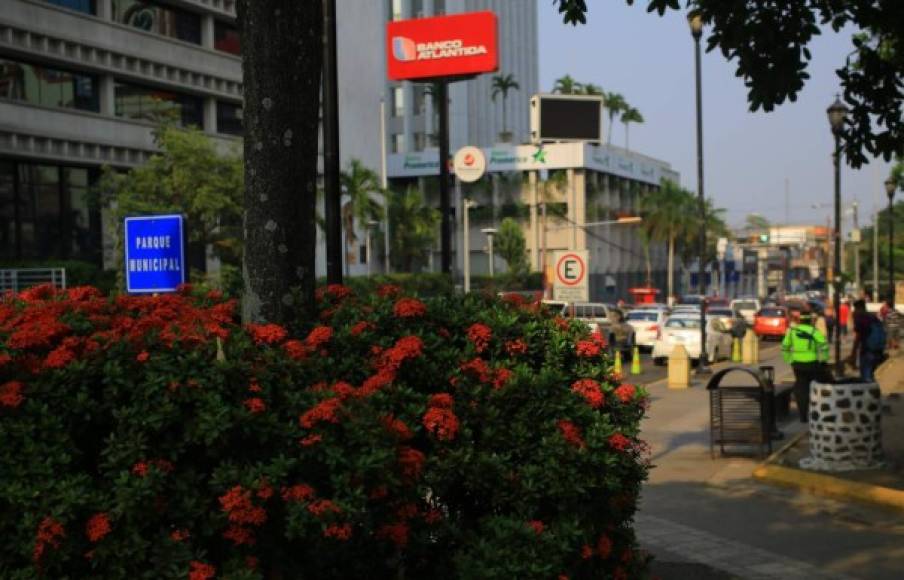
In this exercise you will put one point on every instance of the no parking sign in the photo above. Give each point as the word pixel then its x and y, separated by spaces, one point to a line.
pixel 570 270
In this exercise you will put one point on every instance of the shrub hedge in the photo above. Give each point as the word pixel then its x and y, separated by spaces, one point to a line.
pixel 456 437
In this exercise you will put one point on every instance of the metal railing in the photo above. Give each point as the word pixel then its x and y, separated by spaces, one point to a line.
pixel 18 279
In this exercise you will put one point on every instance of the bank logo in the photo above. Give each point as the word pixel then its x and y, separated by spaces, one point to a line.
pixel 540 154
pixel 404 49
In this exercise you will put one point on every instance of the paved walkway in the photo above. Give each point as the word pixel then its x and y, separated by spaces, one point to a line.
pixel 705 518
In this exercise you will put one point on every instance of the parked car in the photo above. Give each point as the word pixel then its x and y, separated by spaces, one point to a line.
pixel 554 306
pixel 746 307
pixel 594 314
pixel 646 323
pixel 771 322
pixel 684 329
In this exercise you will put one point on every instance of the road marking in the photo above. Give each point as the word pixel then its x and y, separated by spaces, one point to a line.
pixel 743 560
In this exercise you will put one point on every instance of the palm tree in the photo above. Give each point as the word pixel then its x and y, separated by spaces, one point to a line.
pixel 630 115
pixel 665 214
pixel 592 89
pixel 567 86
pixel 358 183
pixel 502 84
pixel 615 104
pixel 412 228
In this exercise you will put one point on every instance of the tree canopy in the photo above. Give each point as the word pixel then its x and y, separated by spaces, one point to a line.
pixel 510 244
pixel 871 77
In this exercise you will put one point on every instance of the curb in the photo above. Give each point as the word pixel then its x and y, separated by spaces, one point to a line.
pixel 825 485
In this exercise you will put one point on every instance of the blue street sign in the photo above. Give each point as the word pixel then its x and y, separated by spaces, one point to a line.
pixel 155 253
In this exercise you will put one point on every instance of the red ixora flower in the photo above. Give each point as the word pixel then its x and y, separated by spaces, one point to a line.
pixel 318 337
pixel 140 469
pixel 441 400
pixel 586 552
pixel 255 405
pixel 335 291
pixel 388 290
pixel 571 433
pixel 587 348
pixel 320 507
pixel 441 422
pixel 201 571
pixel 338 531
pixel 409 308
pixel 11 394
pixel 239 536
pixel 396 533
pixel 324 411
pixel 411 461
pixel 480 334
pixel 59 358
pixel 619 442
pixel 50 531
pixel 360 328
pixel 604 546
pixel 537 526
pixel 297 493
pixel 625 393
pixel 516 347
pixel 590 390
pixel 397 427
pixel 266 333
pixel 97 527
pixel 143 356
pixel 179 535
pixel 295 349
pixel 237 504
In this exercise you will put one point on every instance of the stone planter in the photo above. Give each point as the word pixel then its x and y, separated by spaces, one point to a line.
pixel 845 427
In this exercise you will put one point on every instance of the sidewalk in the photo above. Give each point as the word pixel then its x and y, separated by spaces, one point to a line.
pixel 881 486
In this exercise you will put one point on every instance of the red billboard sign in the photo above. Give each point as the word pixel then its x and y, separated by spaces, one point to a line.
pixel 445 46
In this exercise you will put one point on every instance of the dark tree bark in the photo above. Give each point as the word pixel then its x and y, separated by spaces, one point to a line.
pixel 282 48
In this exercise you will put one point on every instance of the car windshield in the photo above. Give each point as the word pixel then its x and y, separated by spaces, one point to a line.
pixel 773 312
pixel 683 323
pixel 719 312
pixel 745 305
pixel 641 315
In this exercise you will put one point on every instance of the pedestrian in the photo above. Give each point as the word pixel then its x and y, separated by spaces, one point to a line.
pixel 869 342
pixel 807 351
pixel 844 314
pixel 829 315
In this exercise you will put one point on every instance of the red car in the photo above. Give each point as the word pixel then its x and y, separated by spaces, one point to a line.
pixel 771 322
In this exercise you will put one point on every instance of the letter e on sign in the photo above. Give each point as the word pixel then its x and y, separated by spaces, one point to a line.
pixel 570 283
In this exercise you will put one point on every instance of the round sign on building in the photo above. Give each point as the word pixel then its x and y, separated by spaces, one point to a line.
pixel 469 164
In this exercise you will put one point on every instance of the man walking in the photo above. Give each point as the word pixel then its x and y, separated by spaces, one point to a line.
pixel 869 342
pixel 807 351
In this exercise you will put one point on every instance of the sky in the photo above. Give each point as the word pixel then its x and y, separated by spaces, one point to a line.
pixel 747 156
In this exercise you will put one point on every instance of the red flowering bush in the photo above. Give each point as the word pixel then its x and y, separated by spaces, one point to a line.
pixel 455 437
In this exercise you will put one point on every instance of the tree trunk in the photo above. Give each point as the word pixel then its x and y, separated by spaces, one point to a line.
pixel 671 267
pixel 504 123
pixel 282 50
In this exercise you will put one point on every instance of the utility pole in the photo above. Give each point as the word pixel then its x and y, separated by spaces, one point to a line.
pixel 332 189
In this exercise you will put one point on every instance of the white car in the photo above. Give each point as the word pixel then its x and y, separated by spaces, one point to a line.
pixel 684 329
pixel 646 323
pixel 747 307
pixel 593 314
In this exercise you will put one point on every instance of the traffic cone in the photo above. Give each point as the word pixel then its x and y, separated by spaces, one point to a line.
pixel 736 350
pixel 618 365
pixel 635 362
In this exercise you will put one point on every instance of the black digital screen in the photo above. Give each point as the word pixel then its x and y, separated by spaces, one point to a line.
pixel 570 119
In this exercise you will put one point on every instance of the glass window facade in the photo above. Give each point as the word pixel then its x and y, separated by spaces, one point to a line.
pixel 398 101
pixel 159 19
pixel 229 118
pixel 86 6
pixel 398 143
pixel 150 104
pixel 45 212
pixel 226 38
pixel 51 87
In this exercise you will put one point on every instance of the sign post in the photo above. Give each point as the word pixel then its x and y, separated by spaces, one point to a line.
pixel 570 276
pixel 441 50
pixel 154 253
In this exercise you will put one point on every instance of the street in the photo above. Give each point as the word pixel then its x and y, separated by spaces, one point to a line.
pixel 707 518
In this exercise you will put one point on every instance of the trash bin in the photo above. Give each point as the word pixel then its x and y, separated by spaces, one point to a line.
pixel 845 427
pixel 740 415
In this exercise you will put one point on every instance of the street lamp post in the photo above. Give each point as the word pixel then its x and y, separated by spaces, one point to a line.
pixel 890 187
pixel 490 232
pixel 695 20
pixel 466 242
pixel 837 112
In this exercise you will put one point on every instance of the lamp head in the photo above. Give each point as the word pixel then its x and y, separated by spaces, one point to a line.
pixel 837 112
pixel 890 186
pixel 695 21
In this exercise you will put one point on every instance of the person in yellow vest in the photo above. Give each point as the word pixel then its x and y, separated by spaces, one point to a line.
pixel 805 348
